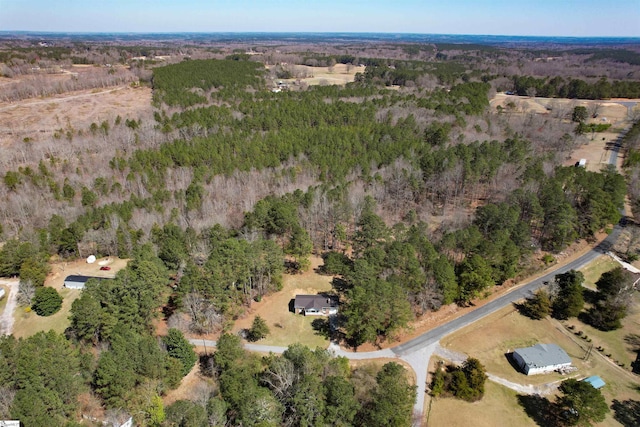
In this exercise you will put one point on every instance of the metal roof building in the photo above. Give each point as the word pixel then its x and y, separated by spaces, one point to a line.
pixel 541 358
pixel 595 381
pixel 78 282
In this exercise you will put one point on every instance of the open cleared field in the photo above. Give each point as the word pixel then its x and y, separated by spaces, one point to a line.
pixel 616 342
pixel 339 74
pixel 39 118
pixel 499 407
pixel 287 327
pixel 28 323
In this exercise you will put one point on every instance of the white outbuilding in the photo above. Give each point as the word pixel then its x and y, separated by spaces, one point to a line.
pixel 541 359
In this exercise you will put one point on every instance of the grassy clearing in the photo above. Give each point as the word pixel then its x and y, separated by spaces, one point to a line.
pixel 29 323
pixel 594 270
pixel 614 342
pixel 286 327
pixel 3 301
pixel 499 407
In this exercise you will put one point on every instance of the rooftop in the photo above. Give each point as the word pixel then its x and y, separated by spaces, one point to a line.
pixel 317 302
pixel 595 381
pixel 541 355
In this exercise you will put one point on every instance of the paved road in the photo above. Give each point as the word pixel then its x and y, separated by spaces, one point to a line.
pixel 6 319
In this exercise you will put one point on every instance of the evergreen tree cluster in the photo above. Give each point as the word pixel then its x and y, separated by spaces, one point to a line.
pixel 464 382
pixel 557 87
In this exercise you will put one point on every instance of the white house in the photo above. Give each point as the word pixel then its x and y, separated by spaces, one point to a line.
pixel 541 359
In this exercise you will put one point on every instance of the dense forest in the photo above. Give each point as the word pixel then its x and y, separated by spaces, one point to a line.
pixel 415 193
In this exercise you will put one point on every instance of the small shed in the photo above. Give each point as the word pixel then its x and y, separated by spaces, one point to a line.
pixel 595 381
pixel 78 282
pixel 541 359
pixel 315 305
pixel 9 423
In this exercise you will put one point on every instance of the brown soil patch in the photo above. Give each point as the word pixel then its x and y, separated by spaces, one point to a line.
pixel 40 118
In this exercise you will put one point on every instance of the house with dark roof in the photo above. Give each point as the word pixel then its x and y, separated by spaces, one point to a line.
pixel 541 359
pixel 315 305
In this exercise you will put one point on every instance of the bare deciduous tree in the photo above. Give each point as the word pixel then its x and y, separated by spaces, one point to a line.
pixel 26 292
pixel 7 394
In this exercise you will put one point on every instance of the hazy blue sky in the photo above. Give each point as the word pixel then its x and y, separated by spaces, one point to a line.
pixel 508 17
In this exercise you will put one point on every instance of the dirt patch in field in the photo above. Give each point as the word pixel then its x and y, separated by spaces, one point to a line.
pixel 39 118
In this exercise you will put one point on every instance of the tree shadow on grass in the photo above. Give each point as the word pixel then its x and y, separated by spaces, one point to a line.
pixel 539 409
pixel 633 340
pixel 591 296
pixel 340 285
pixel 322 327
pixel 627 412
pixel 513 363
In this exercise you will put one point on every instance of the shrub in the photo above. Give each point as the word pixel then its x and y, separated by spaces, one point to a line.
pixel 259 329
pixel 46 301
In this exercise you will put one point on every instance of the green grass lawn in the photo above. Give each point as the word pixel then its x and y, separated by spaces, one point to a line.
pixel 499 407
pixel 615 342
pixel 594 270
pixel 287 327
pixel 28 323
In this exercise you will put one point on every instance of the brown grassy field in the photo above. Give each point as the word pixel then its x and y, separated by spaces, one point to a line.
pixel 499 407
pixel 39 118
pixel 339 74
pixel 286 327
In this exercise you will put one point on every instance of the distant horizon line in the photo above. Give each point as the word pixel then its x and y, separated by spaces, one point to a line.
pixel 387 33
